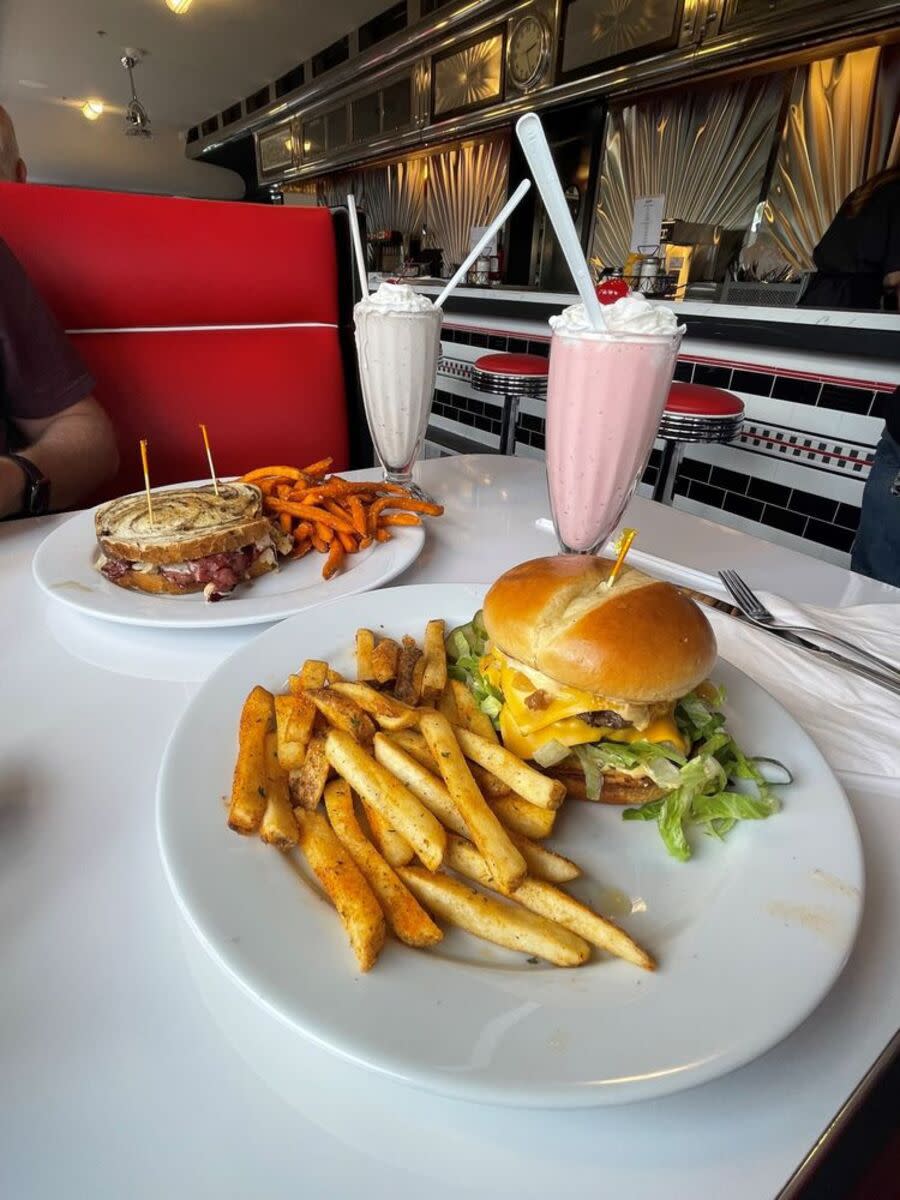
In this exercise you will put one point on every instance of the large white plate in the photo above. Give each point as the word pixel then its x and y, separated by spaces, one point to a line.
pixel 64 568
pixel 750 934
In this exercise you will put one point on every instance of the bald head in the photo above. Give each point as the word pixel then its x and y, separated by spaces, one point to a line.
pixel 12 168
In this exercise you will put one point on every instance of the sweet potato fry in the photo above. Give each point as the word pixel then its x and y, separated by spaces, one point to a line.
pixel 505 862
pixel 308 783
pixel 343 712
pixel 342 879
pixel 384 660
pixel 318 544
pixel 265 472
pixel 278 826
pixel 318 468
pixel 334 561
pixel 434 678
pixel 398 519
pixel 497 921
pixel 357 515
pixel 406 917
pixel 382 535
pixel 408 504
pixel 376 785
pixel 249 786
pixel 309 512
pixel 301 548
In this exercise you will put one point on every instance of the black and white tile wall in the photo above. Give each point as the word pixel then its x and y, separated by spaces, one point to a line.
pixel 794 476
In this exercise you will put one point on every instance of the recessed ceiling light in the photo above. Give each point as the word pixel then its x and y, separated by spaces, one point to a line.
pixel 92 109
pixel 32 83
pixel 179 6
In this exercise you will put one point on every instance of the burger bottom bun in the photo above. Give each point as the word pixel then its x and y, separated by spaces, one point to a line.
pixel 157 585
pixel 617 789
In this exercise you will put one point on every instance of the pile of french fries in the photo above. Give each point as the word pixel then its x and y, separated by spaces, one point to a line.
pixel 441 805
pixel 332 515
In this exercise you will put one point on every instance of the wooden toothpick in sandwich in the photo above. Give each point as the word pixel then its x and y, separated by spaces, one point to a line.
pixel 146 479
pixel 623 545
pixel 209 459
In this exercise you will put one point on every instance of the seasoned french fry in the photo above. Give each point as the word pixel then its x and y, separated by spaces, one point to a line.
pixel 434 677
pixel 395 850
pixel 420 781
pixel 278 826
pixel 496 921
pixel 388 712
pixel 376 785
pixel 314 673
pixel 470 715
pixel 384 660
pixel 365 644
pixel 308 784
pixel 524 780
pixel 248 788
pixel 548 901
pixel 446 704
pixel 408 687
pixel 342 879
pixel 490 785
pixel 405 915
pixel 294 716
pixel 505 861
pixel 521 817
pixel 343 713
pixel 544 863
pixel 415 746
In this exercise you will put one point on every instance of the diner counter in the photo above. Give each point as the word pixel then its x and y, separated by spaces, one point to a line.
pixel 133 1066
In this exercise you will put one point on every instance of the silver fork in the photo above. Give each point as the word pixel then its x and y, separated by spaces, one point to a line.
pixel 754 610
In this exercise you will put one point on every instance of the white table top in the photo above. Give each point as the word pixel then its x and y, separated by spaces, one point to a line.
pixel 132 1066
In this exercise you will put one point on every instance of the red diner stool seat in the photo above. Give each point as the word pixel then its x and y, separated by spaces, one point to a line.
pixel 693 413
pixel 511 376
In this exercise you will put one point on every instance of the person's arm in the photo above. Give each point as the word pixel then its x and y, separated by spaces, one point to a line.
pixel 75 449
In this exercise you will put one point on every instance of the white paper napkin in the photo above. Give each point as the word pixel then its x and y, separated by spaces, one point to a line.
pixel 855 723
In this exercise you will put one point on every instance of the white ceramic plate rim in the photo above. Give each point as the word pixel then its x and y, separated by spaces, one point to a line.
pixel 250 664
pixel 66 556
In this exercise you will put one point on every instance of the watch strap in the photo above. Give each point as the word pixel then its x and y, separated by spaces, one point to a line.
pixel 36 499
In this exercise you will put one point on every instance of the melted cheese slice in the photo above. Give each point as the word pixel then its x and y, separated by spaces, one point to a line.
pixel 524 730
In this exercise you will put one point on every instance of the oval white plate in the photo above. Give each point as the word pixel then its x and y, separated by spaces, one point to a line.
pixel 64 568
pixel 750 934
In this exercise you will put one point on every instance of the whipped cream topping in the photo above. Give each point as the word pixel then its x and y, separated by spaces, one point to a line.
pixel 629 314
pixel 395 297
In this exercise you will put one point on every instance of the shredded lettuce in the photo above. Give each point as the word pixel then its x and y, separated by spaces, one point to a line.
pixel 465 647
pixel 551 753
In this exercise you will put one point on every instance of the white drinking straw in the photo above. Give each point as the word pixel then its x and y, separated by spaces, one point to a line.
pixel 358 246
pixel 531 134
pixel 500 219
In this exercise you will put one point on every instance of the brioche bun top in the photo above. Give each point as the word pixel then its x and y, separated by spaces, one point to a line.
pixel 640 640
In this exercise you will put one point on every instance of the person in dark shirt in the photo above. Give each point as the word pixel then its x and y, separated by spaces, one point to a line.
pixel 56 442
pixel 858 259
pixel 858 263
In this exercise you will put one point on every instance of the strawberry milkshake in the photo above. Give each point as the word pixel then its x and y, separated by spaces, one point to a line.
pixel 606 392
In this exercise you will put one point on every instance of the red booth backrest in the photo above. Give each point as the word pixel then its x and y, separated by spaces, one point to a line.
pixel 192 310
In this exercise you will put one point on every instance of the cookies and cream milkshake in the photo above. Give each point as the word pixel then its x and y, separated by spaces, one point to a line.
pixel 398 341
pixel 606 392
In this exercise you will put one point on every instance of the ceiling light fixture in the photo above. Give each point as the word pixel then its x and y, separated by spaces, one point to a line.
pixel 137 120
pixel 92 109
pixel 179 7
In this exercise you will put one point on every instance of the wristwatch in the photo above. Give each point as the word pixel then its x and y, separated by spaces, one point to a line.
pixel 36 500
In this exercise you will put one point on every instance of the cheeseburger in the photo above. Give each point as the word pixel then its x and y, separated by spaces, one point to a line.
pixel 584 677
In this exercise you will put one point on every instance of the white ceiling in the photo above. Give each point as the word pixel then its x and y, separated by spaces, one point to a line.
pixel 197 64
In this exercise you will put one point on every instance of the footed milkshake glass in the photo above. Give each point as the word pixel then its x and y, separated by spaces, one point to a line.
pixel 398 352
pixel 606 392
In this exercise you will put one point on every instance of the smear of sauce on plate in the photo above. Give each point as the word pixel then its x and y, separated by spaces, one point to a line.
pixel 70 585
pixel 834 884
pixel 819 921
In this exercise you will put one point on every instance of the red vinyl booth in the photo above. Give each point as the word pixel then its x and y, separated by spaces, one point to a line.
pixel 236 315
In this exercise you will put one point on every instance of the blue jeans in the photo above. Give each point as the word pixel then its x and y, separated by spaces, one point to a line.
pixel 876 551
